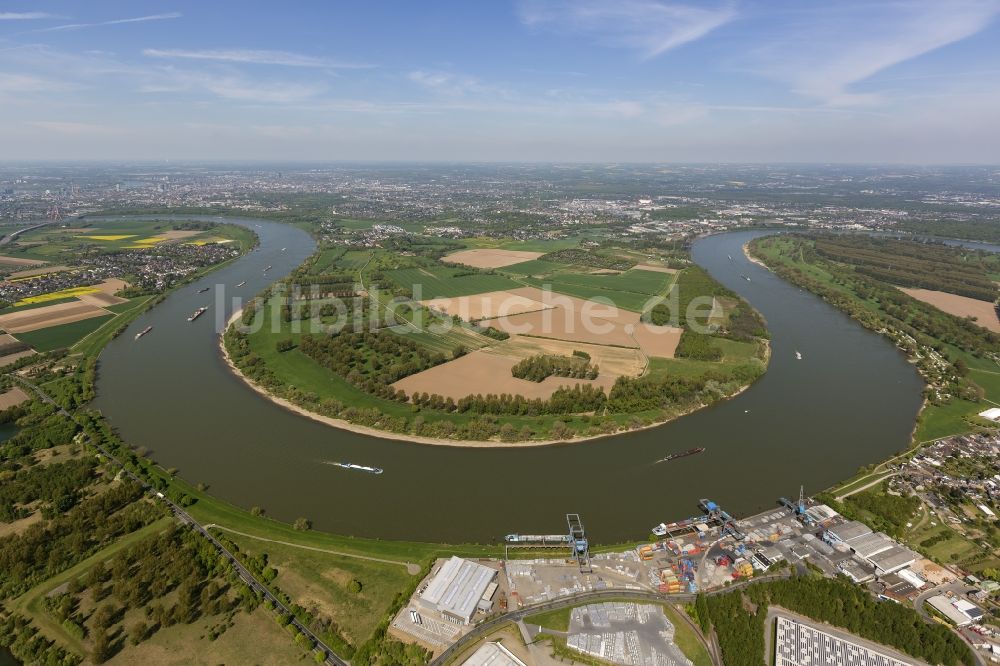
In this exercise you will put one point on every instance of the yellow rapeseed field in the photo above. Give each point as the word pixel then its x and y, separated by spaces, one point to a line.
pixel 117 237
pixel 56 295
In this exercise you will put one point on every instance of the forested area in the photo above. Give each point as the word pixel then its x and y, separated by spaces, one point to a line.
pixel 636 394
pixel 57 486
pixel 370 361
pixel 537 368
pixel 738 619
pixel 975 230
pixel 878 509
pixel 913 264
pixel 175 576
pixel 914 326
pixel 697 346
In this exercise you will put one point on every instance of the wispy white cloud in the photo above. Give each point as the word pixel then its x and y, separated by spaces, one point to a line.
pixel 232 87
pixel 74 128
pixel 451 84
pixel 25 16
pixel 138 19
pixel 24 83
pixel 650 27
pixel 251 56
pixel 824 55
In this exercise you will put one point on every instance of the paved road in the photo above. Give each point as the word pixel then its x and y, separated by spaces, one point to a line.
pixel 183 516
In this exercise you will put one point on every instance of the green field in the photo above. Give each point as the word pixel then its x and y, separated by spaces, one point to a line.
pixel 625 300
pixel 55 244
pixel 326 260
pixel 533 267
pixel 64 335
pixel 633 281
pixel 321 579
pixel 442 282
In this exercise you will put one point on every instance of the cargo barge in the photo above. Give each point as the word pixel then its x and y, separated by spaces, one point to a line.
pixel 681 454
pixel 143 332
pixel 197 313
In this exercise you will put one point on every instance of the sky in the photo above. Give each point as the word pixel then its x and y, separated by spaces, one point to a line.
pixel 907 81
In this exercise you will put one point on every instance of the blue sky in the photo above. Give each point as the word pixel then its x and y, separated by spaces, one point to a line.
pixel 549 80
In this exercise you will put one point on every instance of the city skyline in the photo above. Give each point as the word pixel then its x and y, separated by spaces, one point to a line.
pixel 534 80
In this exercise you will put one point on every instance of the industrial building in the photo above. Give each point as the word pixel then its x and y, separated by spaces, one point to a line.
pixel 944 605
pixel 798 644
pixel 493 654
pixel 844 532
pixel 459 589
pixel 893 559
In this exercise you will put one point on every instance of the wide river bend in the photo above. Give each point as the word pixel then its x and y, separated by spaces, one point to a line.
pixel 850 401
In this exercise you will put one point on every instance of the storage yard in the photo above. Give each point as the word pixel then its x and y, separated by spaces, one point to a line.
pixel 702 553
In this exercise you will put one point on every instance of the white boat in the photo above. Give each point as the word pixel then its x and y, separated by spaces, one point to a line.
pixel 660 530
pixel 267 268
pixel 798 355
pixel 359 468
pixel 241 283
pixel 730 257
pixel 283 249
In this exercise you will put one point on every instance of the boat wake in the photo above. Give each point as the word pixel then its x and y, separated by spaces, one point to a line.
pixel 356 468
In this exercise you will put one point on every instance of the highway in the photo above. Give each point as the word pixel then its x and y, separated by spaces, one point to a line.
pixel 183 516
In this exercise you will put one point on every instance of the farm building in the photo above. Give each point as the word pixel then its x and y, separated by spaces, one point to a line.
pixel 459 589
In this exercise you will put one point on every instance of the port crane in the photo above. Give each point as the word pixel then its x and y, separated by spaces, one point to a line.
pixel 578 542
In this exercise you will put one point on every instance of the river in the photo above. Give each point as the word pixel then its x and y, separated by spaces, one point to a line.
pixel 850 401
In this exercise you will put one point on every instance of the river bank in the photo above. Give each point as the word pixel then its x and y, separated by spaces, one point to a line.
pixel 437 441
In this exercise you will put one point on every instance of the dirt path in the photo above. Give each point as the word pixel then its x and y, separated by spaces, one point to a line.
pixel 868 485
pixel 411 568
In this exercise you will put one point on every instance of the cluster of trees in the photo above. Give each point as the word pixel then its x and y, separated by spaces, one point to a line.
pixel 580 257
pixel 697 346
pixel 175 561
pixel 45 549
pixel 912 264
pixel 491 332
pixel 370 361
pixel 740 632
pixel 56 485
pixel 884 512
pixel 537 368
pixel 637 394
pixel 42 427
pixel 28 645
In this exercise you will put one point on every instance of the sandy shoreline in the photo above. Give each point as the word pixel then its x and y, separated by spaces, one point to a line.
pixel 751 258
pixel 431 441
